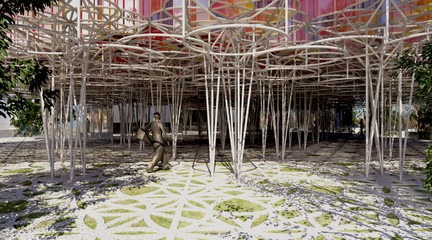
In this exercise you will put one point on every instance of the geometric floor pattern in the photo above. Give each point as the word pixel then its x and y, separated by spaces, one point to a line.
pixel 320 193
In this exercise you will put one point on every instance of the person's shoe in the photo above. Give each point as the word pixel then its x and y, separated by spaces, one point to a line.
pixel 167 167
pixel 149 170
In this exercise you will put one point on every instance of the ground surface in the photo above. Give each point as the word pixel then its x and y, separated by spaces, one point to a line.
pixel 320 193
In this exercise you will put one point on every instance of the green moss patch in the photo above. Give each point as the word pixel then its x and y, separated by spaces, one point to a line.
pixel 27 183
pixel 166 204
pixel 324 219
pixel 176 185
pixel 76 192
pixel 386 190
pixel 20 226
pixel 90 222
pixel 305 222
pixel 342 163
pixel 199 204
pixel 238 205
pixel 141 223
pixel 103 164
pixel 82 204
pixel 345 200
pixel 235 193
pixel 29 216
pixel 392 219
pixel 119 210
pixel 122 222
pixel 51 222
pixel 360 209
pixel 196 182
pixel 134 233
pixel 423 217
pixel 288 214
pixel 14 206
pixel 161 221
pixel 108 219
pixel 127 202
pixel 33 194
pixel 326 189
pixel 278 203
pixel 134 191
pixel 259 220
pixel 24 170
pixel 227 220
pixel 388 201
pixel 289 169
pixel 193 214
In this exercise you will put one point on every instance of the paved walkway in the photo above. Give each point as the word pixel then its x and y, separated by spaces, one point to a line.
pixel 320 193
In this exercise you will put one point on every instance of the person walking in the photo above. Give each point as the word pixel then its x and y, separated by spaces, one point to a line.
pixel 158 137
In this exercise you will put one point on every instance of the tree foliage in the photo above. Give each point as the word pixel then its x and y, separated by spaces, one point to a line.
pixel 18 76
pixel 419 65
pixel 29 121
pixel 428 182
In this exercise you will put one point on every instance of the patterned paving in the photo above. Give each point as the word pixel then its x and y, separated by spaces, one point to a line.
pixel 318 194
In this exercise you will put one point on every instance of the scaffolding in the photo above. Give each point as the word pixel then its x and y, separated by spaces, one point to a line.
pixel 296 59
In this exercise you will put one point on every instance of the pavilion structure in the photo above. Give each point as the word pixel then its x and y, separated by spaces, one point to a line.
pixel 294 65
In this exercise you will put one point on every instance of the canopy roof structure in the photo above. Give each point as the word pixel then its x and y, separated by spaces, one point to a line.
pixel 297 59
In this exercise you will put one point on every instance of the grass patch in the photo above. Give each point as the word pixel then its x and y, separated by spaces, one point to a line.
pixel 32 194
pixel 20 226
pixel 289 169
pixel 82 204
pixel 51 222
pixel 288 214
pixel 24 170
pixel 27 183
pixel 134 233
pixel 196 182
pixel 342 164
pixel 392 219
pixel 103 164
pixel 388 201
pixel 127 201
pixel 386 190
pixel 227 220
pixel 76 192
pixel 238 205
pixel 360 209
pixel 122 222
pixel 120 210
pixel 278 203
pixel 134 191
pixel 345 200
pixel 235 193
pixel 423 217
pixel 264 181
pixel 29 216
pixel 259 220
pixel 305 222
pixel 141 223
pixel 108 219
pixel 161 221
pixel 324 219
pixel 14 206
pixel 176 185
pixel 193 214
pixel 199 204
pixel 326 189
pixel 90 222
